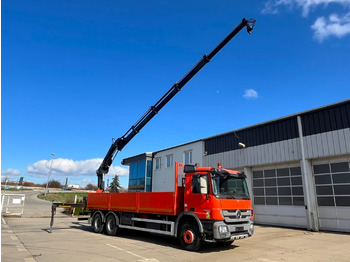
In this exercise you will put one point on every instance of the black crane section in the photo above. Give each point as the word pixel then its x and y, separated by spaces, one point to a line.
pixel 119 144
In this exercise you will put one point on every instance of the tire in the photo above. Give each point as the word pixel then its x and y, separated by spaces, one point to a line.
pixel 190 238
pixel 111 226
pixel 97 223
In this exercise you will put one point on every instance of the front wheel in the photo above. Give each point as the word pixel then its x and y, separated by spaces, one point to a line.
pixel 97 223
pixel 190 238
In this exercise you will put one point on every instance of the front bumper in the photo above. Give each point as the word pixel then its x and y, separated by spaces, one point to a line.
pixel 229 232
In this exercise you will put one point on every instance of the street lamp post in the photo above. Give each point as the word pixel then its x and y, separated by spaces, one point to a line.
pixel 48 179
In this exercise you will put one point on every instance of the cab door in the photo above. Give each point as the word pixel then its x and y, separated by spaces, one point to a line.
pixel 197 197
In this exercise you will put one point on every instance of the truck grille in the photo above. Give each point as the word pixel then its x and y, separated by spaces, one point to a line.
pixel 237 216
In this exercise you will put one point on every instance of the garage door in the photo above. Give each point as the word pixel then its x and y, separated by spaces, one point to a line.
pixel 279 197
pixel 332 180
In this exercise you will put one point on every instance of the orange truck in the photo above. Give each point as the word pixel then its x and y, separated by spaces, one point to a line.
pixel 209 205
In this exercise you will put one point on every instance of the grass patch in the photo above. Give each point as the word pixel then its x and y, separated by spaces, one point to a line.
pixel 65 197
pixel 15 189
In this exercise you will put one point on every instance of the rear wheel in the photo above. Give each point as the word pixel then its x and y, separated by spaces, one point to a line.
pixel 111 225
pixel 190 238
pixel 97 223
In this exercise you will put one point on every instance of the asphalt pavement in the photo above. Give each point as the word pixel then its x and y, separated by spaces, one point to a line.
pixel 35 209
pixel 27 239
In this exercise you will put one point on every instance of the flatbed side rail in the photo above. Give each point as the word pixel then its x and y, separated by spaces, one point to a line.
pixel 56 205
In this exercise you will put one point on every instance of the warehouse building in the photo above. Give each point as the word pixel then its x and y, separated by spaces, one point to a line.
pixel 297 166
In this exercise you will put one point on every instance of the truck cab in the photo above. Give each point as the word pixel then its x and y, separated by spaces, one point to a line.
pixel 219 198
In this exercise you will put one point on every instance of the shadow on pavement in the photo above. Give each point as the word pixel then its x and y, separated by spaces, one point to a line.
pixel 155 238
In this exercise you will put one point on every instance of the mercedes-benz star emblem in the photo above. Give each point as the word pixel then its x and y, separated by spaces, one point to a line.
pixel 238 214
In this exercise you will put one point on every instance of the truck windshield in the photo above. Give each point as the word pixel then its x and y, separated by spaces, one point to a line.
pixel 226 186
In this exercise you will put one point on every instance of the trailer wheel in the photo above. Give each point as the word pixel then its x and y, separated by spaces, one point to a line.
pixel 190 238
pixel 97 223
pixel 111 226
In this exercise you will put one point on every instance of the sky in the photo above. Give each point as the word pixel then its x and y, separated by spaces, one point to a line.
pixel 76 74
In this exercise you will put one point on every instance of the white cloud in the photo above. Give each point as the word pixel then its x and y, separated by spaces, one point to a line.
pixel 272 6
pixel 87 180
pixel 62 167
pixel 10 173
pixel 250 93
pixel 323 28
pixel 333 26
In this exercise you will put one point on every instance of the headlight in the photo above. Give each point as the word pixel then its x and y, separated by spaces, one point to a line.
pixel 223 229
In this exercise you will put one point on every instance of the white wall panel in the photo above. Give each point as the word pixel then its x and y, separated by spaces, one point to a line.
pixel 336 142
pixel 347 139
pixel 323 144
pixel 307 147
pixel 331 150
pixel 281 215
pixel 342 141
pixel 313 150
pixel 279 152
pixel 163 179
pixel 296 148
pixel 320 146
pixel 328 144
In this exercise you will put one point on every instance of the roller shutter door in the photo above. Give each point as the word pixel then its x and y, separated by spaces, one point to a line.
pixel 332 181
pixel 278 196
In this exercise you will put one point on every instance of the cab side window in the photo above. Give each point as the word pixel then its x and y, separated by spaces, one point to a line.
pixel 200 184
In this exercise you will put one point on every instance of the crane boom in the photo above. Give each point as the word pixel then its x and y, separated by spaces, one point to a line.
pixel 119 143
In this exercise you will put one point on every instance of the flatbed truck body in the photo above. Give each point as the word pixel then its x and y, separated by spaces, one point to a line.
pixel 162 203
pixel 211 204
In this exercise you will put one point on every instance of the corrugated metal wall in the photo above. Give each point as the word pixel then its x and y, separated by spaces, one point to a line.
pixel 328 144
pixel 282 151
pixel 254 136
pixel 328 119
pixel 293 199
pixel 326 132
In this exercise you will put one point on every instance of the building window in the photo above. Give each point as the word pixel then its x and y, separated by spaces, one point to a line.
pixel 282 186
pixel 188 157
pixel 169 161
pixel 137 174
pixel 157 163
pixel 332 184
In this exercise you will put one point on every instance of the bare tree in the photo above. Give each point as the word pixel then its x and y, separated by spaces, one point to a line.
pixel 90 187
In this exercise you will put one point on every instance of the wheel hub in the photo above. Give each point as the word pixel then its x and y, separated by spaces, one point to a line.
pixel 188 237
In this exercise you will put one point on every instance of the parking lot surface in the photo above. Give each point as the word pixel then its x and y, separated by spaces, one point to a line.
pixel 27 239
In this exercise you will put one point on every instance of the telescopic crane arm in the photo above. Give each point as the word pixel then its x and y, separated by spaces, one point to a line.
pixel 119 144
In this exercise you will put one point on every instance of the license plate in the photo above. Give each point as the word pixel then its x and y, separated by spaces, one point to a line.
pixel 239 229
